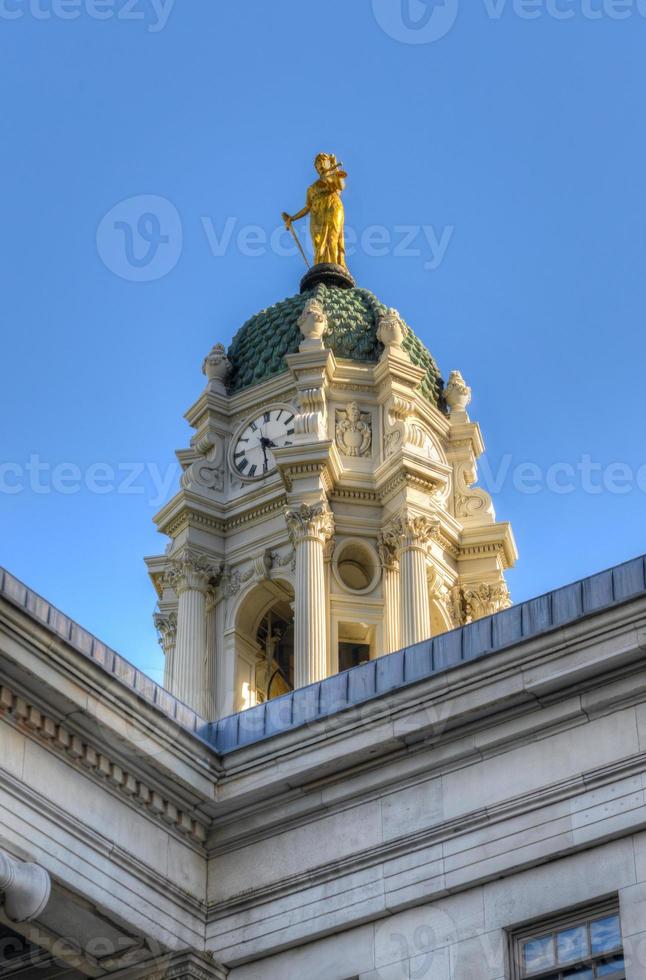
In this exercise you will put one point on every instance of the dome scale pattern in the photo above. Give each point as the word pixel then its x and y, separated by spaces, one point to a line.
pixel 258 350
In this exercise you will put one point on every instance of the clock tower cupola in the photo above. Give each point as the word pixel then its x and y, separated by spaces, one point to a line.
pixel 327 512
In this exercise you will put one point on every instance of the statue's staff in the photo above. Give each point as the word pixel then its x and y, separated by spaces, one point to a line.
pixel 290 228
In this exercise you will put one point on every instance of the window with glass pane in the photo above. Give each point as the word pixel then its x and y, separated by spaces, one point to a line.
pixel 584 946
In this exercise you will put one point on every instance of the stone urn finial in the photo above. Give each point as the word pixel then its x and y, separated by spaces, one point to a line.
pixel 216 366
pixel 390 330
pixel 312 323
pixel 457 393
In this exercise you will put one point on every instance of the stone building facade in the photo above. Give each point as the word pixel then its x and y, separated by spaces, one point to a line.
pixel 454 811
pixel 365 763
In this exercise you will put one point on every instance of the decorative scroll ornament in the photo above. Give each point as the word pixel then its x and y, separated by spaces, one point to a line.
pixel 398 411
pixel 353 431
pixel 310 522
pixel 205 475
pixel 468 502
pixel 485 600
pixel 457 392
pixel 204 464
pixel 190 570
pixel 312 324
pixel 311 419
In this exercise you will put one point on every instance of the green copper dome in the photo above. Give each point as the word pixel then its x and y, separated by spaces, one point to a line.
pixel 258 350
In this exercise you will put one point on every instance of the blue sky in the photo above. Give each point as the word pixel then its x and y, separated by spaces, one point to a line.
pixel 496 159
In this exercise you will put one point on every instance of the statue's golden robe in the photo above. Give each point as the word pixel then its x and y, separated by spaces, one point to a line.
pixel 326 220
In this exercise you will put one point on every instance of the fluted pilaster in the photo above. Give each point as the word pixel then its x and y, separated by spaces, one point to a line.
pixel 190 575
pixel 166 626
pixel 310 528
pixel 409 536
pixel 392 596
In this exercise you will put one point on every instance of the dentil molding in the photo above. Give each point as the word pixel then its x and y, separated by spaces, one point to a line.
pixel 76 750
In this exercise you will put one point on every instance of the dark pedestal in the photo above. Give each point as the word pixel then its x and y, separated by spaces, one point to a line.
pixel 327 274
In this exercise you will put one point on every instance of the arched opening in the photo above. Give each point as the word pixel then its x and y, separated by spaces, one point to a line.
pixel 440 619
pixel 261 638
pixel 440 602
pixel 275 639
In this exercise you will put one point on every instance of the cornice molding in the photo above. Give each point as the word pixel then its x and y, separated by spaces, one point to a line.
pixel 193 518
pixel 257 513
pixel 404 480
pixel 355 493
pixel 81 753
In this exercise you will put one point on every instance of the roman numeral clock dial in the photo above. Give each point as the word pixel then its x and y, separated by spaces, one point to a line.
pixel 252 455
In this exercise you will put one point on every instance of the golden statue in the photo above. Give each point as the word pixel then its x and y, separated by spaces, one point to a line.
pixel 325 207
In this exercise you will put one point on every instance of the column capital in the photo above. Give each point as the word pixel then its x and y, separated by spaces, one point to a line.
pixel 485 599
pixel 189 569
pixel 166 626
pixel 310 522
pixel 387 550
pixel 409 531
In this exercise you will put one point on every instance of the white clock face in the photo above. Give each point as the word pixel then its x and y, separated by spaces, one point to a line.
pixel 253 455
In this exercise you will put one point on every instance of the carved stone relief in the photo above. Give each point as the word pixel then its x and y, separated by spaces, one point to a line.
pixel 353 431
pixel 485 600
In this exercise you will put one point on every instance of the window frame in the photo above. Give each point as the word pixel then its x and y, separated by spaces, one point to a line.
pixel 567 919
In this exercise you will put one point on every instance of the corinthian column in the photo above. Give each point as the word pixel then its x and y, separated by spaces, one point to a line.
pixel 166 626
pixel 190 574
pixel 410 536
pixel 392 613
pixel 309 529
